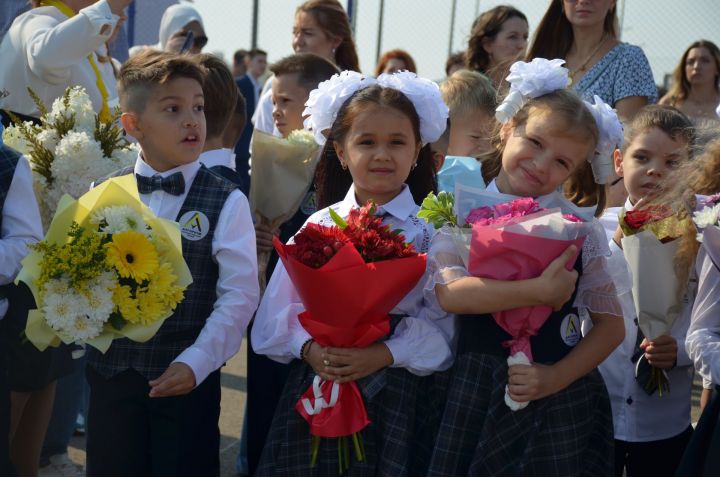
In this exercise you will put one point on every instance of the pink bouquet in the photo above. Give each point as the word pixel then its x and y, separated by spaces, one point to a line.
pixel 507 238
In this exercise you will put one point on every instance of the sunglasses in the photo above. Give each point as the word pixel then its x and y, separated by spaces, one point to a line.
pixel 200 41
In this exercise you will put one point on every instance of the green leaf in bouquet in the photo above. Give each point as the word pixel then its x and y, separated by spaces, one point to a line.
pixel 108 135
pixel 439 210
pixel 117 321
pixel 38 102
pixel 339 221
pixel 42 158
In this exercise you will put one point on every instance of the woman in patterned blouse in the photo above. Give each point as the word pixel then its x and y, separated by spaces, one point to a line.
pixel 584 33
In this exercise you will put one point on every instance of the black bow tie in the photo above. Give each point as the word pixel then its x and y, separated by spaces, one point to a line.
pixel 173 184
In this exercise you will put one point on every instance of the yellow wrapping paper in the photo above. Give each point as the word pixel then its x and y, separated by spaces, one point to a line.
pixel 113 192
pixel 282 172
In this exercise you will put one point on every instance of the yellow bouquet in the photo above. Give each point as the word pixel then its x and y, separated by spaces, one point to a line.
pixel 108 268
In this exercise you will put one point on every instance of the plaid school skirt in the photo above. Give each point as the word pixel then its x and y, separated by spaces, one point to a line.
pixel 398 441
pixel 567 434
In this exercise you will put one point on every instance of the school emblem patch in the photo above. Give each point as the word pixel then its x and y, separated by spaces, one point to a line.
pixel 570 329
pixel 194 225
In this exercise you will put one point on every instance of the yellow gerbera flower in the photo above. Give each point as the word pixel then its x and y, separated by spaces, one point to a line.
pixel 133 255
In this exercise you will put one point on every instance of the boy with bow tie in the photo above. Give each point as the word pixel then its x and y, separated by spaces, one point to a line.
pixel 154 406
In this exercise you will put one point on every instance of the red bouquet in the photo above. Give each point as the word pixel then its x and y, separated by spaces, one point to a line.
pixel 349 278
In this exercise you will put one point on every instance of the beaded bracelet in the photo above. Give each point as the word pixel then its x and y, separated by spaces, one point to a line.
pixel 305 348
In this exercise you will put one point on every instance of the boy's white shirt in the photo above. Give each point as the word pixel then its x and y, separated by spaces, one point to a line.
pixel 637 416
pixel 218 157
pixel 21 225
pixel 233 249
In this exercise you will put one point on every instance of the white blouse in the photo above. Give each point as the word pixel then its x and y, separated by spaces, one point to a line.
pixel 47 51
pixel 703 337
pixel 637 416
pixel 418 344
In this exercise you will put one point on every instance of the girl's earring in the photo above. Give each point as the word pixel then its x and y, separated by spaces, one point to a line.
pixel 414 165
pixel 344 166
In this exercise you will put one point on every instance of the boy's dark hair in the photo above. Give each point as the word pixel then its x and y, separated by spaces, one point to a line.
pixel 668 119
pixel 239 56
pixel 142 73
pixel 332 181
pixel 256 52
pixel 311 69
pixel 220 93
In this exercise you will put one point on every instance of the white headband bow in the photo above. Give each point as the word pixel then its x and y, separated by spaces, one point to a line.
pixel 610 137
pixel 542 76
pixel 324 102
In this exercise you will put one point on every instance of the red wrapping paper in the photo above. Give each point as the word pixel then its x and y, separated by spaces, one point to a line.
pixel 509 256
pixel 347 302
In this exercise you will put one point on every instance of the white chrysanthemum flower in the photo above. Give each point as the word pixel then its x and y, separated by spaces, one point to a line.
pixel 80 105
pixel 57 286
pixel 49 139
pixel 106 280
pixel 13 138
pixel 707 216
pixel 82 328
pixel 126 156
pixel 76 158
pixel 58 311
pixel 100 304
pixel 120 218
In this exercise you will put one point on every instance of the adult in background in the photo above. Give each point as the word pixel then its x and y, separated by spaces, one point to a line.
pixel 239 68
pixel 321 27
pixel 250 87
pixel 395 60
pixel 59 44
pixel 454 62
pixel 177 22
pixel 695 88
pixel 498 38
pixel 584 33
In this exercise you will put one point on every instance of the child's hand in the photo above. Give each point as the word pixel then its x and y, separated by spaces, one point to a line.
pixel 661 352
pixel 532 382
pixel 557 284
pixel 314 357
pixel 351 364
pixel 263 237
pixel 177 380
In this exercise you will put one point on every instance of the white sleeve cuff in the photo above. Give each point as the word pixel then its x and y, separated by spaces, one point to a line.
pixel 100 16
pixel 198 361
pixel 400 353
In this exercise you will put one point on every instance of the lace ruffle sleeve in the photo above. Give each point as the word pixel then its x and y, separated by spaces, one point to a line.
pixel 605 277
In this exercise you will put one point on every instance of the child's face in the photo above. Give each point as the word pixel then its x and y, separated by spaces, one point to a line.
pixel 288 99
pixel 537 159
pixel 648 161
pixel 171 129
pixel 379 150
pixel 470 134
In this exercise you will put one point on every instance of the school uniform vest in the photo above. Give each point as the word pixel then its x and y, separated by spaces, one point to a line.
pixel 207 195
pixel 229 174
pixel 555 339
pixel 8 163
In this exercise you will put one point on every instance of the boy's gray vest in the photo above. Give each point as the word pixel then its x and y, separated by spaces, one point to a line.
pixel 207 195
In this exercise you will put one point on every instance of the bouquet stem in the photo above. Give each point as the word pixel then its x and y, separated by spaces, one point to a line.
pixel 314 448
pixel 659 381
pixel 343 451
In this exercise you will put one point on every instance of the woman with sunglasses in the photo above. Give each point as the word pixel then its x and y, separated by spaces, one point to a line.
pixel 181 30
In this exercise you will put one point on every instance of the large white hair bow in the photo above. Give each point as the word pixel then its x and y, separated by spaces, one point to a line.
pixel 530 80
pixel 324 102
pixel 610 137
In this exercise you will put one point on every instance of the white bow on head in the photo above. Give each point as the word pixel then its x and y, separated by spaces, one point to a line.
pixel 325 101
